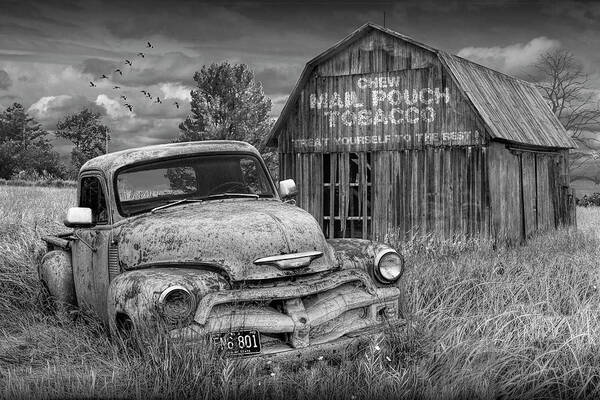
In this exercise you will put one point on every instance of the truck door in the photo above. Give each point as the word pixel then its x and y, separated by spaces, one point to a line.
pixel 90 250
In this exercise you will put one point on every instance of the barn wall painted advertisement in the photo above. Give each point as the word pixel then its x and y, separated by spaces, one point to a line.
pixel 391 139
pixel 383 111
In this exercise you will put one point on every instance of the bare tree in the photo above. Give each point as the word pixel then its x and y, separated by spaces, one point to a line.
pixel 566 86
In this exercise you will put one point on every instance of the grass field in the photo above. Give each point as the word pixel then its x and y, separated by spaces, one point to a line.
pixel 518 322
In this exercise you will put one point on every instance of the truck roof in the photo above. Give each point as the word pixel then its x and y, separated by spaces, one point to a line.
pixel 112 161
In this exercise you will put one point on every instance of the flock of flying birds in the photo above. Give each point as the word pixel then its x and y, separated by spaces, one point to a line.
pixel 146 93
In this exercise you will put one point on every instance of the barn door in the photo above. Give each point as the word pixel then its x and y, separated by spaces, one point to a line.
pixel 540 193
pixel 347 187
pixel 545 192
pixel 528 193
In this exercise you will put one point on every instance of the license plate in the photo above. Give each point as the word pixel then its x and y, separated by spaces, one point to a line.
pixel 240 343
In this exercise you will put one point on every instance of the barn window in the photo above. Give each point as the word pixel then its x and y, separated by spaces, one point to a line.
pixel 347 187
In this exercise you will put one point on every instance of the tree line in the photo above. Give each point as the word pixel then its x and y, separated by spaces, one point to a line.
pixel 228 103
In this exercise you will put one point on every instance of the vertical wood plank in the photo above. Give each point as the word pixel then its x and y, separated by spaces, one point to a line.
pixel 343 166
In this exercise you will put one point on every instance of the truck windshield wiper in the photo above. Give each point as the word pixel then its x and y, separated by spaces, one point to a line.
pixel 226 194
pixel 182 201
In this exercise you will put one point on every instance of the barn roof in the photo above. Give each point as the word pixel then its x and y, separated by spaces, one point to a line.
pixel 513 110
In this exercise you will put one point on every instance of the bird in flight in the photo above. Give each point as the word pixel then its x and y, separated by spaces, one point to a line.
pixel 104 77
pixel 145 93
pixel 158 100
pixel 141 54
pixel 148 44
pixel 128 63
pixel 176 104
pixel 92 84
pixel 148 95
pixel 128 106
pixel 124 98
pixel 116 87
pixel 119 71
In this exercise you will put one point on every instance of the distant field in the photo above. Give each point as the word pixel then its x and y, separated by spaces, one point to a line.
pixel 512 322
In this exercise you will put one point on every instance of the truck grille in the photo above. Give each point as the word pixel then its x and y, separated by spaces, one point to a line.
pixel 315 311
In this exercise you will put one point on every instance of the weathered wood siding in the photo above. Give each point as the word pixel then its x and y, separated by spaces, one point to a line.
pixel 381 93
pixel 376 52
pixel 432 190
pixel 384 143
pixel 505 194
pixel 529 191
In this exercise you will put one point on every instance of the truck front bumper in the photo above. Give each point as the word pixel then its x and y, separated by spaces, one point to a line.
pixel 326 312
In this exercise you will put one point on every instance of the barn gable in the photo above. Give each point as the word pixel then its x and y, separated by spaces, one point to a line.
pixel 511 109
pixel 374 91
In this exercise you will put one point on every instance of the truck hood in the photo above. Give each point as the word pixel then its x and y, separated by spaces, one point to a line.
pixel 225 234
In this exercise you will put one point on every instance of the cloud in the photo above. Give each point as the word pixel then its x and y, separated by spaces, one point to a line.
pixel 583 12
pixel 35 80
pixel 97 67
pixel 135 132
pixel 154 69
pixel 114 109
pixel 513 59
pixel 48 110
pixel 149 70
pixel 176 91
pixel 277 104
pixel 40 107
pixel 30 10
pixel 5 81
pixel 8 99
pixel 278 79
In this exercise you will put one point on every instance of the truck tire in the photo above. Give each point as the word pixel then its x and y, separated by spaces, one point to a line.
pixel 56 274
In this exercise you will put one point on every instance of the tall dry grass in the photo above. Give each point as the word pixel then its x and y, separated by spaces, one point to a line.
pixel 518 322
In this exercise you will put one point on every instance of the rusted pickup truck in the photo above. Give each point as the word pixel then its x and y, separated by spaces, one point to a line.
pixel 196 237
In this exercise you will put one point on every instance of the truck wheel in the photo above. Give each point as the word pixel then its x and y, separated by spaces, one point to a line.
pixel 123 329
pixel 56 274
pixel 124 325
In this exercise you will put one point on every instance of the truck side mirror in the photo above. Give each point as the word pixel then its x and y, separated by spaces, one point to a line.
pixel 79 217
pixel 287 189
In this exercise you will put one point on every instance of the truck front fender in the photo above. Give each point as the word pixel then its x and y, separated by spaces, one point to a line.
pixel 357 253
pixel 134 294
pixel 361 253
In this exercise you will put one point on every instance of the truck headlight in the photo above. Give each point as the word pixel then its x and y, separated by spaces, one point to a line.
pixel 176 304
pixel 389 266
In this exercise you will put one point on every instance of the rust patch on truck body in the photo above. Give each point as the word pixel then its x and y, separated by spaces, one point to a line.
pixel 227 234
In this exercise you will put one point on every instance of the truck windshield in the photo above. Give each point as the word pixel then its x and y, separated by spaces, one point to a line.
pixel 205 177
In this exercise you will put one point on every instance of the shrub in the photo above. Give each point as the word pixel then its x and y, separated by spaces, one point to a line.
pixel 35 178
pixel 589 201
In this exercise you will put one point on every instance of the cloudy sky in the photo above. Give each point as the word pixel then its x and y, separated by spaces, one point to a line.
pixel 51 50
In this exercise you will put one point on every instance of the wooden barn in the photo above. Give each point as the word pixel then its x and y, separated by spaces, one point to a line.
pixel 387 137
